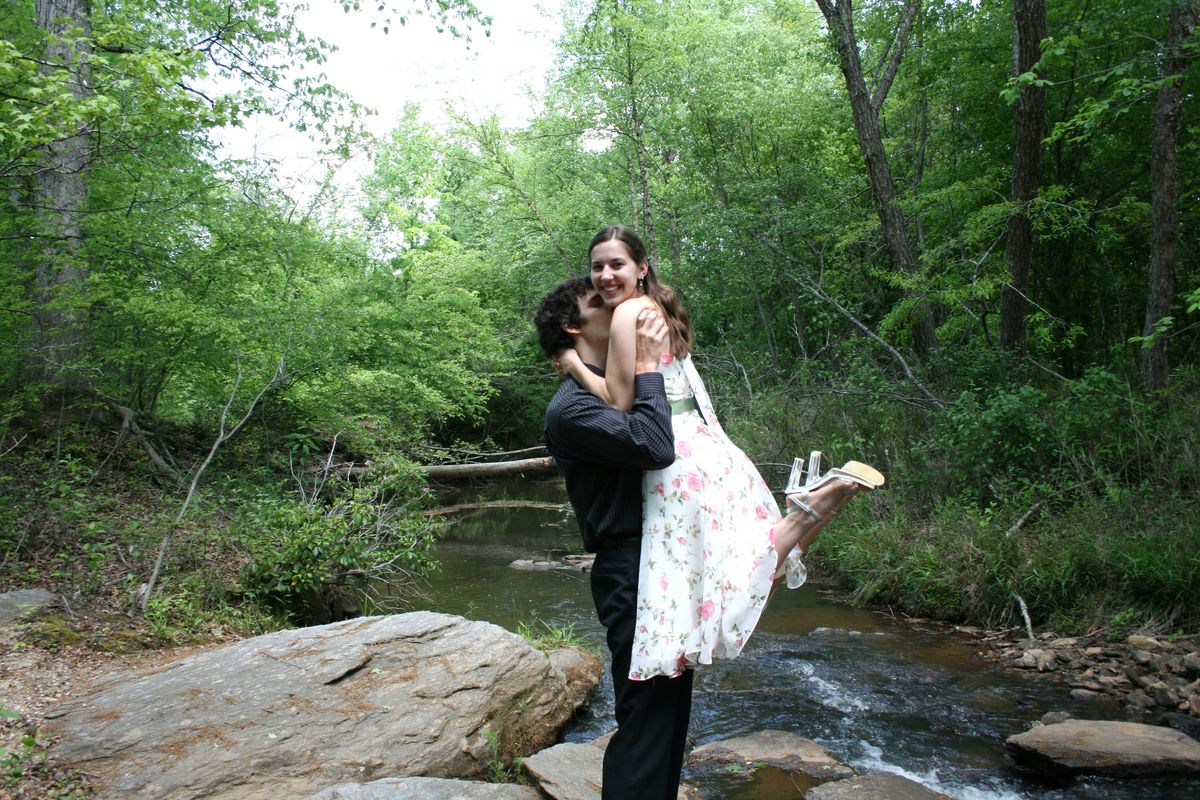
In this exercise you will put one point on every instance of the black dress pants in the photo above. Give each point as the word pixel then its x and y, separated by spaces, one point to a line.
pixel 645 756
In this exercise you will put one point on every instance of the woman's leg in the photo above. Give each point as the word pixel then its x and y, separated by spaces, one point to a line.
pixel 798 529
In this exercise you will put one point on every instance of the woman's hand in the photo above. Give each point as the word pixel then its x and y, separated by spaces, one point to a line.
pixel 567 362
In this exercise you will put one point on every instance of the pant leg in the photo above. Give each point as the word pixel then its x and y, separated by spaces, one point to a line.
pixel 682 704
pixel 645 756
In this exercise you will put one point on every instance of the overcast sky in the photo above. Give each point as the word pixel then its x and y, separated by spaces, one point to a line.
pixel 414 63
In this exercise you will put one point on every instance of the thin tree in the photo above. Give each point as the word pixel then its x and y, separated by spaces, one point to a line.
pixel 864 107
pixel 1164 190
pixel 1029 29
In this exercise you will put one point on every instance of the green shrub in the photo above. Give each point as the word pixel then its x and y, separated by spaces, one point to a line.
pixel 370 539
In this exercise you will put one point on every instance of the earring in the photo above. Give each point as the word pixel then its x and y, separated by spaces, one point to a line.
pixel 641 284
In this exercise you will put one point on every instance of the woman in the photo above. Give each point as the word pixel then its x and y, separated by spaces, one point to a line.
pixel 713 541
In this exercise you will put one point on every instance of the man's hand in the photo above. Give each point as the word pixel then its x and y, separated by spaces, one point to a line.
pixel 652 340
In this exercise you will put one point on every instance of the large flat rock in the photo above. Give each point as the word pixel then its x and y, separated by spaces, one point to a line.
pixel 1105 748
pixel 874 786
pixel 285 714
pixel 21 602
pixel 568 771
pixel 426 789
pixel 781 749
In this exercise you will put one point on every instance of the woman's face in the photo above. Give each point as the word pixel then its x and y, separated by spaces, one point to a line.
pixel 614 272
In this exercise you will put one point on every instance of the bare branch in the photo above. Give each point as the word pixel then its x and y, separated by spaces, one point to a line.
pixel 898 45
pixel 222 436
pixel 821 295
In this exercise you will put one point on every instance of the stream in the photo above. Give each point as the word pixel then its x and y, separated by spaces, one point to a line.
pixel 880 694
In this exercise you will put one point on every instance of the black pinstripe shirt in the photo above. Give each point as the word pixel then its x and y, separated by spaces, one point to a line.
pixel 602 452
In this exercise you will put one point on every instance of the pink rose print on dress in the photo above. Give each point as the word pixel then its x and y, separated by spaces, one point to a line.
pixel 666 358
pixel 706 609
pixel 663 583
pixel 684 449
pixel 660 490
pixel 761 512
pixel 695 482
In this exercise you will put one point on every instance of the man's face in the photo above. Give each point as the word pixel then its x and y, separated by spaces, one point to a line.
pixel 596 318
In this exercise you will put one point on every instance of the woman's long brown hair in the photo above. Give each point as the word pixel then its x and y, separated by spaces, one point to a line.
pixel 667 298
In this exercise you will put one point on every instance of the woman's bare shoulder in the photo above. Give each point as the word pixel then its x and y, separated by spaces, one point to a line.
pixel 631 308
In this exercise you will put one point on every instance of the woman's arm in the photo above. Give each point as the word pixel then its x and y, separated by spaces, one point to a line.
pixel 622 352
pixel 616 387
pixel 571 364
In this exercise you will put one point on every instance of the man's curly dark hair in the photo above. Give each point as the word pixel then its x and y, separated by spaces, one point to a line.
pixel 559 309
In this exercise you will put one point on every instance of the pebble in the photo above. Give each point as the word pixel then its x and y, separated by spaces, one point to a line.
pixel 1143 642
pixel 1191 663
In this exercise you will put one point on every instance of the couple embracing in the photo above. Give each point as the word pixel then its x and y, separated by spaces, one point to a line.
pixel 688 538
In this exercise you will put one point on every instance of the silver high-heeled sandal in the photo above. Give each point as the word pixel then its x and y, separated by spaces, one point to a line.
pixel 797 494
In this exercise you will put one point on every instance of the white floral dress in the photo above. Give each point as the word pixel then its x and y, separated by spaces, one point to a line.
pixel 708 552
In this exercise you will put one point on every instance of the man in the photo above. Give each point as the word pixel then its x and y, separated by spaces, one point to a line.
pixel 602 453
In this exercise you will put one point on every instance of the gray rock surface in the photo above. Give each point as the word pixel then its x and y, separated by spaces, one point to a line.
pixel 779 749
pixel 568 771
pixel 875 786
pixel 426 789
pixel 20 602
pixel 1100 747
pixel 572 771
pixel 285 714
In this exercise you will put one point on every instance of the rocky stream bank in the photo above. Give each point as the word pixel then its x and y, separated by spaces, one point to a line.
pixel 431 706
pixel 1156 679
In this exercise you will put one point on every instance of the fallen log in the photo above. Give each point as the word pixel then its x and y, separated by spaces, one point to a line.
pixel 489 469
pixel 486 504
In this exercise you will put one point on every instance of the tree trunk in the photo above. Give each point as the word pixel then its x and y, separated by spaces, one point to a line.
pixel 1029 29
pixel 494 469
pixel 864 108
pixel 59 195
pixel 1164 192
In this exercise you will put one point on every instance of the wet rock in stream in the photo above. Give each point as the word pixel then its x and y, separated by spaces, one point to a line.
pixel 1059 751
pixel 780 749
pixel 875 786
pixel 580 562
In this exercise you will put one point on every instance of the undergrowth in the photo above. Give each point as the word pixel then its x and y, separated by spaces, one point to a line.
pixel 83 513
pixel 1075 496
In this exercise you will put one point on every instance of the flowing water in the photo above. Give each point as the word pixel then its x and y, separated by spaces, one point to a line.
pixel 880 694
